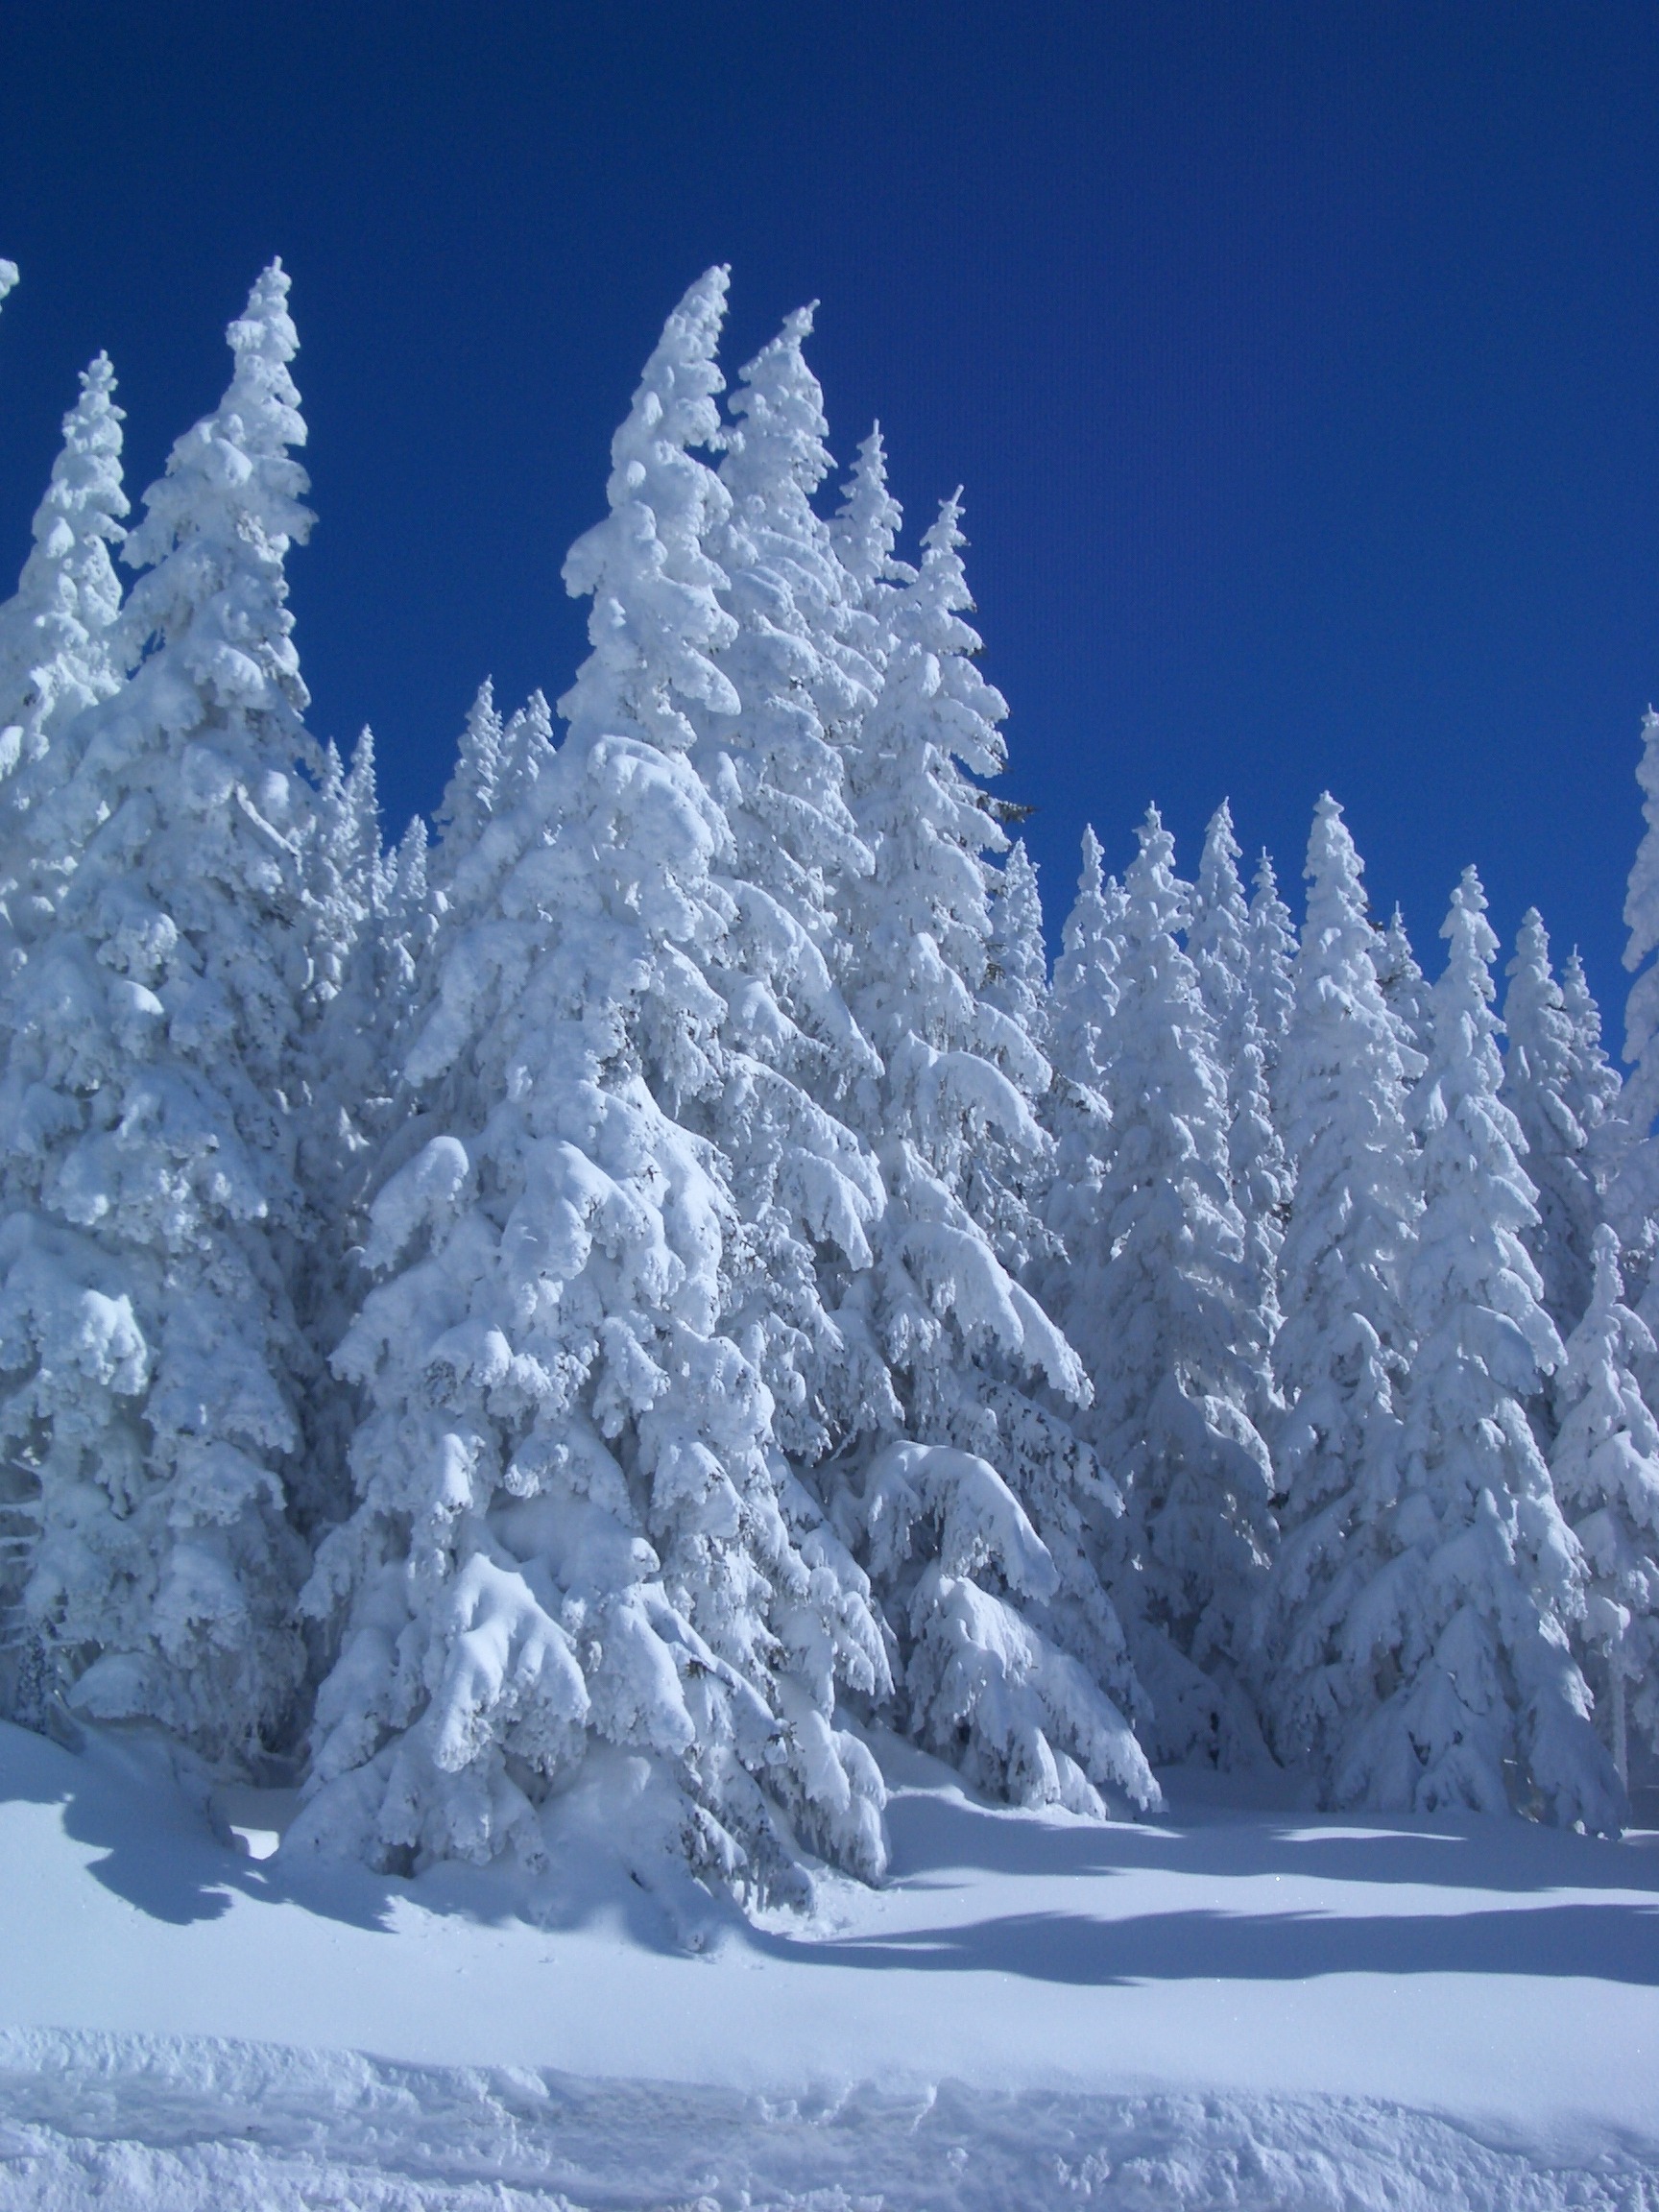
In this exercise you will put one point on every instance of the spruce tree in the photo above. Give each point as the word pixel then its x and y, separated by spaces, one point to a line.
pixel 146 1330
pixel 1156 1294
pixel 58 648
pixel 578 1553
pixel 1405 992
pixel 469 797
pixel 1218 942
pixel 1271 944
pixel 772 754
pixel 342 1101
pixel 1539 1082
pixel 968 1494
pixel 1082 1011
pixel 1017 970
pixel 864 537
pixel 1480 1701
pixel 1594 1090
pixel 1633 1197
pixel 56 642
pixel 802 687
pixel 1085 993
pixel 1606 1469
pixel 1342 1355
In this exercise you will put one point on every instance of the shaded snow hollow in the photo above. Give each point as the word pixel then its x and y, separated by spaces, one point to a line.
pixel 1235 2006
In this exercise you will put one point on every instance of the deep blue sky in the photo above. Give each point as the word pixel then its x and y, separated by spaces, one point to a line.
pixel 1300 362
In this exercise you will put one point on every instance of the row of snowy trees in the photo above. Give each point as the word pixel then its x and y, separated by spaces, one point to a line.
pixel 633 1294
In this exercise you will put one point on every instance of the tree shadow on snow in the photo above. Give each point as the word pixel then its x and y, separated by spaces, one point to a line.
pixel 151 1815
pixel 148 1817
pixel 938 1831
pixel 166 1861
pixel 1603 1943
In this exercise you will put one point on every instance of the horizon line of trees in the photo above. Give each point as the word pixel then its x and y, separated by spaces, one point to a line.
pixel 605 1306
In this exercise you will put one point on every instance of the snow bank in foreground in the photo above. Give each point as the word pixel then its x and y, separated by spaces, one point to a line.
pixel 1234 2006
pixel 186 2124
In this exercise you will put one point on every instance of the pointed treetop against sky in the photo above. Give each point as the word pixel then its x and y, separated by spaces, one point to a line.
pixel 55 647
pixel 866 529
pixel 654 620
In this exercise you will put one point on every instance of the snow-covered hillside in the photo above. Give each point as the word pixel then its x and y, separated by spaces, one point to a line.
pixel 1232 2005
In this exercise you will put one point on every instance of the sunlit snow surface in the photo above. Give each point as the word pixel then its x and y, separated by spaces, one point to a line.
pixel 1231 2007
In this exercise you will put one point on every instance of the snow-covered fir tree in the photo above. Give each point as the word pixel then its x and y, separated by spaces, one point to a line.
pixel 59 649
pixel 341 1096
pixel 1272 951
pixel 469 797
pixel 976 1507
pixel 578 1552
pixel 147 1338
pixel 771 753
pixel 56 657
pixel 497 763
pixel 1606 1469
pixel 1540 1081
pixel 1594 1089
pixel 1084 997
pixel 1633 1197
pixel 1342 1353
pixel 1405 991
pixel 1218 920
pixel 56 643
pixel 1480 1701
pixel 864 536
pixel 1218 942
pixel 1082 1008
pixel 777 765
pixel 1017 972
pixel 1155 1293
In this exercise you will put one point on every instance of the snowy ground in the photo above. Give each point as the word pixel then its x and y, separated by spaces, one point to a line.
pixel 1235 2006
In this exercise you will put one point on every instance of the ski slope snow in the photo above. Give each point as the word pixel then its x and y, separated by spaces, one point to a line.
pixel 1237 2005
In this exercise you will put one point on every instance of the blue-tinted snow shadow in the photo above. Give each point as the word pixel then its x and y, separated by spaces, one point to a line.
pixel 1602 1942
pixel 122 1798
pixel 133 1796
pixel 127 1796
pixel 938 1830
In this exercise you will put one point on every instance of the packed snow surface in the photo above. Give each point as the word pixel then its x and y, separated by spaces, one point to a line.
pixel 1233 2005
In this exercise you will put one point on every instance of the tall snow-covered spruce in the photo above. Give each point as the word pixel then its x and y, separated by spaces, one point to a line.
pixel 578 1568
pixel 1633 1198
pixel 771 753
pixel 1155 1291
pixel 1606 1469
pixel 1545 1087
pixel 56 638
pixel 1219 941
pixel 146 1334
pixel 1481 1703
pixel 1341 1356
pixel 60 650
pixel 978 1509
